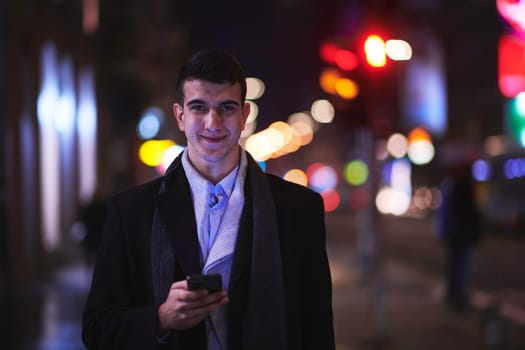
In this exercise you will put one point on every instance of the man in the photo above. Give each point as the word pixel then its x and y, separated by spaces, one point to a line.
pixel 460 228
pixel 214 211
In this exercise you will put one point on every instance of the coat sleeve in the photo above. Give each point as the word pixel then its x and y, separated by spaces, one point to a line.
pixel 115 316
pixel 317 298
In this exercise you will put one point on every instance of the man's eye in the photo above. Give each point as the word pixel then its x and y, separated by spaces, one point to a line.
pixel 228 108
pixel 198 108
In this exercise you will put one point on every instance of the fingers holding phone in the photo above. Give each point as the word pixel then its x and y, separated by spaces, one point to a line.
pixel 211 282
pixel 188 303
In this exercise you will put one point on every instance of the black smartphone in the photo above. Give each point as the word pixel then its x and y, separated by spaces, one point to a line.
pixel 211 282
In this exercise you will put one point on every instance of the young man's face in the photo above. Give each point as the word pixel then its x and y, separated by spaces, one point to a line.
pixel 212 118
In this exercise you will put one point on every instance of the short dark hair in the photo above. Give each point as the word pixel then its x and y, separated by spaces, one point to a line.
pixel 214 66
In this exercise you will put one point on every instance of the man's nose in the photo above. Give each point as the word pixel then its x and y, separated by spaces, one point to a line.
pixel 214 120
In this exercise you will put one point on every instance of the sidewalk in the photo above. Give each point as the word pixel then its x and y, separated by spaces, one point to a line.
pixel 414 315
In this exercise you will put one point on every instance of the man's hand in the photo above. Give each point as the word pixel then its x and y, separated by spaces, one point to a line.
pixel 184 309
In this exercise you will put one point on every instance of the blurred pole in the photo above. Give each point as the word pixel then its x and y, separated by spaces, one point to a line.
pixel 3 138
pixel 368 247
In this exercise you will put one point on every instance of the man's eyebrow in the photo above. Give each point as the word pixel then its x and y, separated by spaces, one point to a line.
pixel 222 103
pixel 229 102
pixel 196 102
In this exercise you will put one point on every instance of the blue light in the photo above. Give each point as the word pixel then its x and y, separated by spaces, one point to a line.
pixel 87 134
pixel 387 173
pixel 481 170
pixel 49 90
pixel 65 113
pixel 323 178
pixel 262 164
pixel 513 168
pixel 150 123
pixel 507 169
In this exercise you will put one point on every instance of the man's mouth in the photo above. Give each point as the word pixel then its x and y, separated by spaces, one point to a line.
pixel 217 138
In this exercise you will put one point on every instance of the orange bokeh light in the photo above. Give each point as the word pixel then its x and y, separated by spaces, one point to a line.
pixel 418 134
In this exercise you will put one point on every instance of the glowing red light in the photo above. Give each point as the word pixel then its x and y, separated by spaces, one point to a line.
pixel 328 51
pixel 359 199
pixel 511 65
pixel 346 60
pixel 331 200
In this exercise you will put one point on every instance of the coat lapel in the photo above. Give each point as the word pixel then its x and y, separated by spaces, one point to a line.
pixel 175 207
pixel 243 245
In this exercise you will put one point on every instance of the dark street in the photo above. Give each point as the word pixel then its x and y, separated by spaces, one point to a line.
pixel 413 314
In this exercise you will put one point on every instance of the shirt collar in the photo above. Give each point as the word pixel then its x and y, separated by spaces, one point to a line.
pixel 200 186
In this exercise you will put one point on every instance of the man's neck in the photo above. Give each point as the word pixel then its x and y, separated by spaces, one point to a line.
pixel 214 172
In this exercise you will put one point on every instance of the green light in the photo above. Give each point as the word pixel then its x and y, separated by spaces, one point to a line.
pixel 516 117
pixel 356 172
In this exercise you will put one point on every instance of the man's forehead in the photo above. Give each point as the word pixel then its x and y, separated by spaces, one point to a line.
pixel 195 83
pixel 198 88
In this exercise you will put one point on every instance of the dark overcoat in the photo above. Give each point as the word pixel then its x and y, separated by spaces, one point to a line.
pixel 121 312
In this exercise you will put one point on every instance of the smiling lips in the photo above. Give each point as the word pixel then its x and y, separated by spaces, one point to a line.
pixel 214 138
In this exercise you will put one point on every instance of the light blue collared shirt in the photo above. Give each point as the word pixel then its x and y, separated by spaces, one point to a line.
pixel 217 228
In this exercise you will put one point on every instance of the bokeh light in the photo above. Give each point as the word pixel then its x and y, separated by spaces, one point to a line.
pixel 287 135
pixel 346 88
pixel 254 112
pixel 321 177
pixel 262 165
pixel 328 79
pixel 304 117
pixel 397 145
pixel 481 170
pixel 304 131
pixel 169 156
pixel 264 143
pixel 387 172
pixel 249 129
pixel 381 150
pixel 254 88
pixel 150 123
pixel 422 198
pixel 359 199
pixel 375 51
pixel 151 152
pixel 495 145
pixel 346 59
pixel 421 152
pixel 297 176
pixel 323 111
pixel 401 175
pixel 331 199
pixel 420 148
pixel 327 52
pixel 514 168
pixel 418 134
pixel 392 201
pixel 398 50
pixel 356 172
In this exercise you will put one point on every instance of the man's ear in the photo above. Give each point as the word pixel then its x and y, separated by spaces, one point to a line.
pixel 246 111
pixel 178 114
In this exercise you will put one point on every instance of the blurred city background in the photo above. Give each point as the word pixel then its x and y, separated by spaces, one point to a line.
pixel 370 103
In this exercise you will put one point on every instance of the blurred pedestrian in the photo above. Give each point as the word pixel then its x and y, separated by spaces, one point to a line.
pixel 214 211
pixel 460 230
pixel 92 217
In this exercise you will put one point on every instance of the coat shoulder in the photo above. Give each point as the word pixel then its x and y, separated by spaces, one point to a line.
pixel 139 194
pixel 291 193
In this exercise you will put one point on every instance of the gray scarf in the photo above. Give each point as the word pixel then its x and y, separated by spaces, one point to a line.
pixel 264 325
